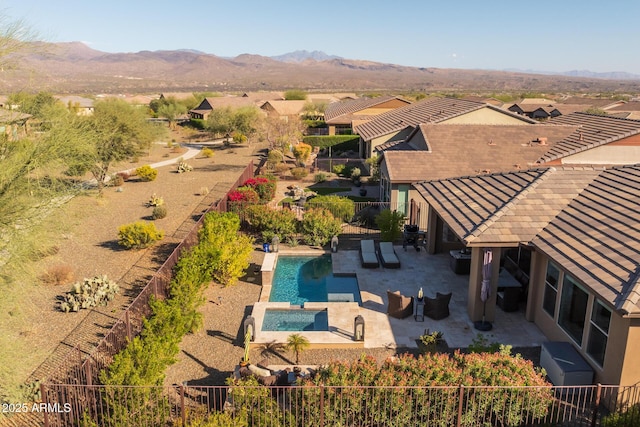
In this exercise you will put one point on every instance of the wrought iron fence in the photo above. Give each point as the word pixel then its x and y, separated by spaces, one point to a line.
pixel 310 405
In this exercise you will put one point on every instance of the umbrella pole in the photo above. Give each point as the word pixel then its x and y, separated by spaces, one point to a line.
pixel 483 325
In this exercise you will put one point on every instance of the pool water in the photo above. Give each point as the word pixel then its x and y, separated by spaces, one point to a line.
pixel 295 320
pixel 300 279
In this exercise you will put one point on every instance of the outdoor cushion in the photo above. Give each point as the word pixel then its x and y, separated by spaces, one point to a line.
pixel 388 255
pixel 368 254
pixel 261 372
pixel 268 381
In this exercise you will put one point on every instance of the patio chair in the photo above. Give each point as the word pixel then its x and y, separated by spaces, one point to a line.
pixel 388 255
pixel 437 308
pixel 368 254
pixel 399 305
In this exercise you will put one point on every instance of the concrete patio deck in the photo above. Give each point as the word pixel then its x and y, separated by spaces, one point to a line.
pixel 418 269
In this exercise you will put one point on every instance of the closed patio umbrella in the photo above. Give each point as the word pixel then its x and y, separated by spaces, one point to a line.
pixel 485 289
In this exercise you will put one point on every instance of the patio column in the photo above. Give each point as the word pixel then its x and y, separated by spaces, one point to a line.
pixel 475 306
pixel 432 231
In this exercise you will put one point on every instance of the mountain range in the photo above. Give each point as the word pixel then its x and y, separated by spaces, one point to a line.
pixel 76 68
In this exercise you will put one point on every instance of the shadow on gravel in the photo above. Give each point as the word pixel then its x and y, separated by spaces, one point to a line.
pixel 112 245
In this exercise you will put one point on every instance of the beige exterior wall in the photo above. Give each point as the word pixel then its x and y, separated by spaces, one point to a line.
pixel 486 116
pixel 622 358
pixel 607 154
pixel 394 136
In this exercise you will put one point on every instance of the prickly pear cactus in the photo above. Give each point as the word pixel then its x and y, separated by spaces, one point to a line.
pixel 89 293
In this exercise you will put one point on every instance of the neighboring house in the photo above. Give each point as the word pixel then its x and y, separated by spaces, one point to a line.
pixel 436 151
pixel 78 104
pixel 572 235
pixel 341 116
pixel 284 109
pixel 628 110
pixel 600 140
pixel 398 124
pixel 14 124
pixel 208 104
pixel 544 111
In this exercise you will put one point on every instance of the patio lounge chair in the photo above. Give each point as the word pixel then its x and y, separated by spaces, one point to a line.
pixel 399 306
pixel 368 254
pixel 388 255
pixel 437 308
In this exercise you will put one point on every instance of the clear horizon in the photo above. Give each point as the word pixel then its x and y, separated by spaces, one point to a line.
pixel 501 35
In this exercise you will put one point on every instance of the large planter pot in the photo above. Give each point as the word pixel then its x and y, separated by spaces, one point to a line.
pixel 363 192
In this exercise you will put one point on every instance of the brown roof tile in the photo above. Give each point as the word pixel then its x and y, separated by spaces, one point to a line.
pixel 346 108
pixel 594 130
pixel 596 238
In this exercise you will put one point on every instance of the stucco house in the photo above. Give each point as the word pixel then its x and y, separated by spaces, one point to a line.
pixel 14 124
pixel 572 237
pixel 80 105
pixel 398 124
pixel 342 116
pixel 284 109
pixel 436 151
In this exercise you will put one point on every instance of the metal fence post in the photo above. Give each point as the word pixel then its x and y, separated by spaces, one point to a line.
pixel 182 411
pixel 128 323
pixel 43 397
pixel 596 404
pixel 321 405
pixel 460 400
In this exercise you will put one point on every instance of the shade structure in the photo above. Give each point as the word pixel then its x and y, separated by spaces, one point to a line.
pixel 485 291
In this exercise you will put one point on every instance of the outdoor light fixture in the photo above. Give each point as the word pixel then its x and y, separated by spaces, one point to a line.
pixel 358 328
pixel 250 327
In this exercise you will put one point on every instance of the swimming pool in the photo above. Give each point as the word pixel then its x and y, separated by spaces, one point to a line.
pixel 300 279
pixel 295 320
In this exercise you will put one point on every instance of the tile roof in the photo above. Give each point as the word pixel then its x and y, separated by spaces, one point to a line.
pixel 594 130
pixel 504 209
pixel 597 237
pixel 626 107
pixel 427 111
pixel 337 109
pixel 457 150
pixel 286 108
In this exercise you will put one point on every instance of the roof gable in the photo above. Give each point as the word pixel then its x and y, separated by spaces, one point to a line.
pixel 594 131
pixel 342 108
pixel 597 237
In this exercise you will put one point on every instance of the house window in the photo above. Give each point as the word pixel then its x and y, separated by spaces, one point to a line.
pixel 598 332
pixel 573 309
pixel 551 289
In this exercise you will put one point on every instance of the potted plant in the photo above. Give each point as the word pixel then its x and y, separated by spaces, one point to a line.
pixel 363 191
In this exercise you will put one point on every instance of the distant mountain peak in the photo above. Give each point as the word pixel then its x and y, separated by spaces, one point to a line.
pixel 303 55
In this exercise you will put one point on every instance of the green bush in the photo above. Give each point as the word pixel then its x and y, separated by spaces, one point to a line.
pixel 116 180
pixel 264 185
pixel 302 152
pixel 147 173
pixel 159 212
pixel 319 177
pixel 319 226
pixel 138 235
pixel 342 208
pixel 197 123
pixel 299 173
pixel 630 417
pixel 273 158
pixel 337 142
pixel 390 224
pixel 339 169
pixel 269 222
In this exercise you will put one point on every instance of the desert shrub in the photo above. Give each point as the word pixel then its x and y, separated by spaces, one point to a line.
pixel 239 137
pixel 159 212
pixel 124 174
pixel 265 186
pixel 481 345
pixel 274 158
pixel 59 274
pixel 138 235
pixel 356 173
pixel 207 152
pixel 319 226
pixel 338 169
pixel 390 224
pixel 299 173
pixel 241 198
pixel 281 168
pixel 184 167
pixel 269 222
pixel 116 180
pixel 89 293
pixel 155 200
pixel 319 177
pixel 370 404
pixel 342 208
pixel 146 173
pixel 302 152
pixel 629 417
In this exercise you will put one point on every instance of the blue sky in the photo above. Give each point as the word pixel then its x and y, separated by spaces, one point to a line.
pixel 563 35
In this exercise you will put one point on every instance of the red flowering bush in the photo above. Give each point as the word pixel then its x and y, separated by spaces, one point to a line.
pixel 265 186
pixel 430 391
pixel 242 197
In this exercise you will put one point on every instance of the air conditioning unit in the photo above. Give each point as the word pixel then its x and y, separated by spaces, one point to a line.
pixel 564 365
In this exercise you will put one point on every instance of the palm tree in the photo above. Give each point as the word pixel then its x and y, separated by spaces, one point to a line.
pixel 297 343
